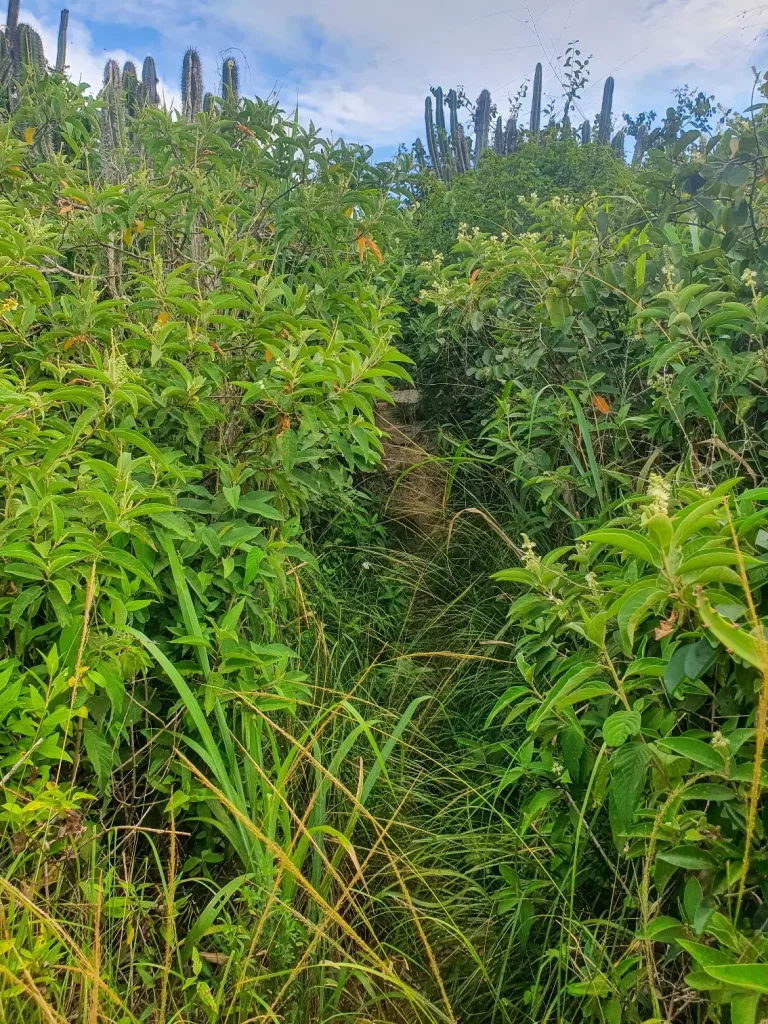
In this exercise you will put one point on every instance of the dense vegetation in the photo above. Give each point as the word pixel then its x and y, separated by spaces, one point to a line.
pixel 276 745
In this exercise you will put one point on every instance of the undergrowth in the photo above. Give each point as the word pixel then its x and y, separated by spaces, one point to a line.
pixel 267 755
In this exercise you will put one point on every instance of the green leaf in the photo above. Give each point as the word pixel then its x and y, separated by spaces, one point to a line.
pixel 629 541
pixel 689 857
pixel 629 766
pixel 100 754
pixel 619 726
pixel 287 445
pixel 694 749
pixel 751 976
pixel 736 640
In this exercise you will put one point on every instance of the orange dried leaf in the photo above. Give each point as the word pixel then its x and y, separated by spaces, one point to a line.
pixel 361 247
pixel 268 356
pixel 601 405
pixel 666 626
pixel 162 318
pixel 64 208
pixel 75 339
pixel 473 275
pixel 374 249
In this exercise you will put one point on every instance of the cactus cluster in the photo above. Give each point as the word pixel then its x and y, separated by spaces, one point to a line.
pixel 449 151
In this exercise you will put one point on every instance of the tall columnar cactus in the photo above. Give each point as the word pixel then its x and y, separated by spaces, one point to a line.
pixel 230 79
pixel 112 118
pixel 132 89
pixel 61 48
pixel 419 154
pixel 149 82
pixel 482 123
pixel 11 20
pixel 499 142
pixel 535 124
pixel 586 133
pixel 457 133
pixel 191 84
pixel 28 54
pixel 604 130
pixel 511 139
pixel 6 62
pixel 442 132
pixel 617 144
pixel 565 127
pixel 640 141
pixel 429 124
pixel 209 103
pixel 112 74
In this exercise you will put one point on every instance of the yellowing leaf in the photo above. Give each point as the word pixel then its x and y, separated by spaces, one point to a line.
pixel 601 405
pixel 138 226
pixel 162 318
pixel 127 236
pixel 29 135
pixel 374 249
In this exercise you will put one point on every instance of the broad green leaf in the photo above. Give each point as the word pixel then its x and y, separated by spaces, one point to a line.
pixel 619 726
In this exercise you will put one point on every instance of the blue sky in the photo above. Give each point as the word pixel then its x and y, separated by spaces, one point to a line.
pixel 361 68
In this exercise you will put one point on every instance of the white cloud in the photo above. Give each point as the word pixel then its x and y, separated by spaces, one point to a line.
pixel 362 69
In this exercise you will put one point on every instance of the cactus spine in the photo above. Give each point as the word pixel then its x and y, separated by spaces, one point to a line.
pixel 191 84
pixel 640 141
pixel 11 22
pixel 604 129
pixel 149 82
pixel 429 123
pixel 482 123
pixel 61 47
pixel 535 124
pixel 586 133
pixel 230 79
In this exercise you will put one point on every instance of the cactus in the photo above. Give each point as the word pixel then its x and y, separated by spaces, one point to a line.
pixel 113 75
pixel 6 62
pixel 604 129
pixel 11 20
pixel 441 130
pixel 640 141
pixel 429 123
pixel 499 142
pixel 586 133
pixel 482 123
pixel 191 84
pixel 112 117
pixel 209 103
pixel 230 79
pixel 420 155
pixel 28 52
pixel 535 124
pixel 61 48
pixel 511 139
pixel 132 89
pixel 149 82
pixel 617 144
pixel 457 134
pixel 565 128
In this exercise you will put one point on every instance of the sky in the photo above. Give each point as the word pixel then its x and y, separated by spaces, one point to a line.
pixel 360 69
